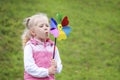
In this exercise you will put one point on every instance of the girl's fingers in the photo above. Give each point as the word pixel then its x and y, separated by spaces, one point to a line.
pixel 53 62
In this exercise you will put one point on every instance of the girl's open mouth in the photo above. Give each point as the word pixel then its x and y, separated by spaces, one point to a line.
pixel 46 33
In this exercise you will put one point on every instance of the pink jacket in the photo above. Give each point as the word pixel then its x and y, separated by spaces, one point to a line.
pixel 42 59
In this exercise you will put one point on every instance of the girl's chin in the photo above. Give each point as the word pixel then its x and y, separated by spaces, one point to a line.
pixel 46 37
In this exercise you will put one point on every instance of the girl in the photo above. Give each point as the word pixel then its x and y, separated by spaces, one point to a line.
pixel 38 50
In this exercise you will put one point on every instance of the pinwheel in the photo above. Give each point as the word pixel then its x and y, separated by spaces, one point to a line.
pixel 59 30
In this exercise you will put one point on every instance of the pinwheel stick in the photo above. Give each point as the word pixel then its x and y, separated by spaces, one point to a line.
pixel 54 48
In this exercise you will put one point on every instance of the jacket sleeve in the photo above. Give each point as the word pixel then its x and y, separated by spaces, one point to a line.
pixel 58 59
pixel 30 66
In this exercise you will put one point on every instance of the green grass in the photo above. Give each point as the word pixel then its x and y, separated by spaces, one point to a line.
pixel 91 52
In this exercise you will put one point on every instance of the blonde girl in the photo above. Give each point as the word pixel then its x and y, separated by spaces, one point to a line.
pixel 38 50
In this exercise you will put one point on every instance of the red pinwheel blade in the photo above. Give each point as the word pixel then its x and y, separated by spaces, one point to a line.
pixel 65 21
pixel 53 23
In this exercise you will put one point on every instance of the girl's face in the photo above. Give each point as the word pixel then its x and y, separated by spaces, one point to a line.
pixel 41 30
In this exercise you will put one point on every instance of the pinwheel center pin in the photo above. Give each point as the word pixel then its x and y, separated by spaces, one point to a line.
pixel 59 27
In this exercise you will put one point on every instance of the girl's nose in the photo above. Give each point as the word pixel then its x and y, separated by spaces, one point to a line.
pixel 45 28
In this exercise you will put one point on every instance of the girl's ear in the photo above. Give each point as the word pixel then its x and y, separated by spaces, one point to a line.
pixel 32 32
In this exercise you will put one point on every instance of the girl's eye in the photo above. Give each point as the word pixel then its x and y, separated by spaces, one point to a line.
pixel 47 25
pixel 40 26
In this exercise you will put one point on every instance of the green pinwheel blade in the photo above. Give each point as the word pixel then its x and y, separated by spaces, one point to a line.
pixel 59 17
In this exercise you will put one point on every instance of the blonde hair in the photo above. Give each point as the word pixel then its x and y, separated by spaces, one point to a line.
pixel 29 23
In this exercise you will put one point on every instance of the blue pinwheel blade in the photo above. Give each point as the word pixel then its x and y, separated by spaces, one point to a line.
pixel 66 29
pixel 53 23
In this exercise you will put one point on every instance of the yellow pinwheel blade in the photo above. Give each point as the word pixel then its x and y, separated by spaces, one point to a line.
pixel 62 35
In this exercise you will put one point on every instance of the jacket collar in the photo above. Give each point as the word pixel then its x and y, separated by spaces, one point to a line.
pixel 35 42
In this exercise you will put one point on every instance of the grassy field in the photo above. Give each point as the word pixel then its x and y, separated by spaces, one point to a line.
pixel 92 51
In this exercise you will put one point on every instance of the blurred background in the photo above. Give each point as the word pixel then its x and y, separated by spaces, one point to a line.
pixel 91 52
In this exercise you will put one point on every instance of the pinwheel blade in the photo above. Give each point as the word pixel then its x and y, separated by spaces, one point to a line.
pixel 62 35
pixel 53 23
pixel 66 29
pixel 65 21
pixel 54 32
pixel 59 17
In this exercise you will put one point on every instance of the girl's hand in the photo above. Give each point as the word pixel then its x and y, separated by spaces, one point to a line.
pixel 54 63
pixel 52 70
